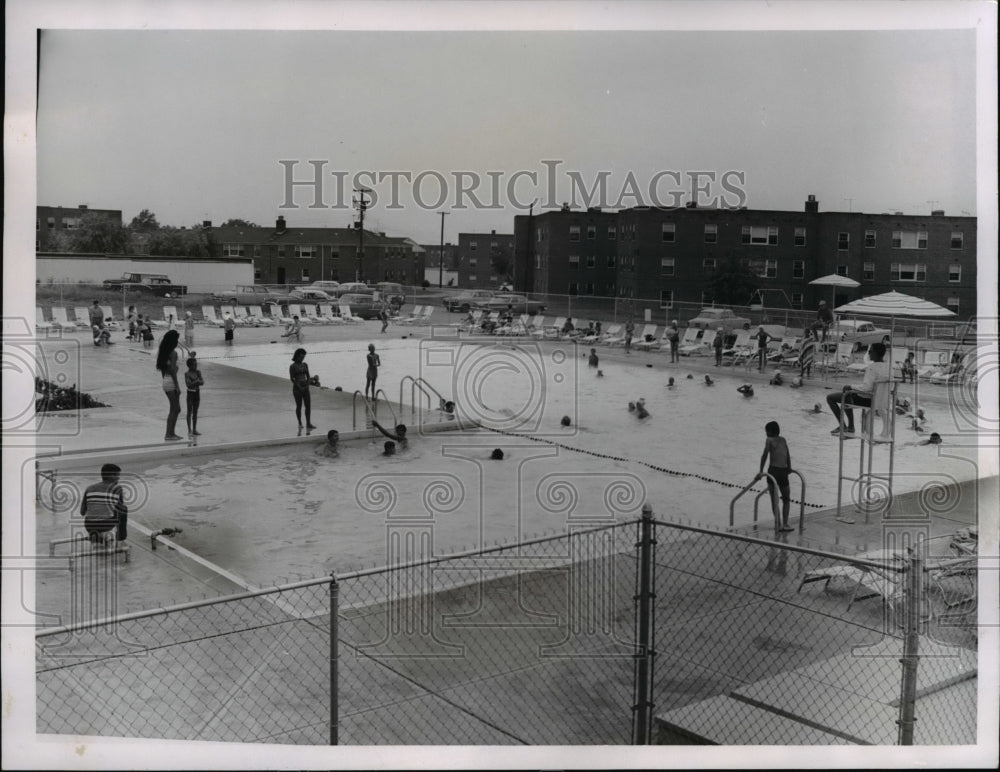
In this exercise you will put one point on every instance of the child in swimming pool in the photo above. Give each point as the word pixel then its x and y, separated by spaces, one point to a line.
pixel 592 360
pixel 776 448
pixel 746 390
pixel 330 448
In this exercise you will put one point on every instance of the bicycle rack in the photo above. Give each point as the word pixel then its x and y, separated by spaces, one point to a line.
pixel 756 502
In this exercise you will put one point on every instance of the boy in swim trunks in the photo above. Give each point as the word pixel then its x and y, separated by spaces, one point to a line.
pixel 776 447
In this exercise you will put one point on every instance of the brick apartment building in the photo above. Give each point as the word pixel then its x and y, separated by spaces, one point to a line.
pixel 478 256
pixel 670 255
pixel 292 255
pixel 51 219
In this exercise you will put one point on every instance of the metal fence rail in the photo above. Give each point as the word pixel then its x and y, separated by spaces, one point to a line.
pixel 643 631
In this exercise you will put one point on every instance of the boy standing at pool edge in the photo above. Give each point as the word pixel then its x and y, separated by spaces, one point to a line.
pixel 776 447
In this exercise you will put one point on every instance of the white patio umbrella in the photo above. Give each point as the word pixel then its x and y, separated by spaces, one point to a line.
pixel 833 281
pixel 893 304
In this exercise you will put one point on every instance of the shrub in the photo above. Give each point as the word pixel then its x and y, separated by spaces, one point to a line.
pixel 53 398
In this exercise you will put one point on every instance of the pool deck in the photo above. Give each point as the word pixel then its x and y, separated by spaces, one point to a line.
pixel 240 406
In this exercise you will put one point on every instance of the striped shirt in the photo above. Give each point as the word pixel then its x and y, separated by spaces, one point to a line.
pixel 102 502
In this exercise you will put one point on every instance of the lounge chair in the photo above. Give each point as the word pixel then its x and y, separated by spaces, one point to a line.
pixel 611 336
pixel 414 316
pixel 211 316
pixel 40 323
pixel 109 318
pixel 537 327
pixel 347 316
pixel 310 311
pixel 934 363
pixel 554 330
pixel 656 344
pixel 284 315
pixel 885 582
pixel 258 317
pixel 695 342
pixel 242 316
pixel 82 313
pixel 61 320
pixel 227 310
pixel 425 318
pixel 326 312
pixel 171 311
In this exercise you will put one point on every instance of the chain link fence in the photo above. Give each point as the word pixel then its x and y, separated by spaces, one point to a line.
pixel 638 632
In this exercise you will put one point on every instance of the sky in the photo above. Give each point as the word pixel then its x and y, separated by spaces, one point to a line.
pixel 195 124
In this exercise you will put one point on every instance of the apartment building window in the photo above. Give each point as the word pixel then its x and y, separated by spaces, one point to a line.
pixel 800 237
pixel 71 223
pixel 954 272
pixel 472 246
pixel 666 266
pixel 908 272
pixel 759 234
pixel 538 261
pixel 843 240
pixel 707 298
pixel 51 222
pixel 589 289
pixel 38 225
pixel 305 251
pixel 708 264
pixel 798 269
pixel 472 278
pixel 868 272
pixel 711 234
pixel 493 245
pixel 256 250
pixel 538 234
pixel 909 239
pixel 669 232
pixel 841 270
pixel 574 261
pixel 957 239
pixel 666 298
pixel 764 268
pixel 869 239
pixel 257 275
pixel 797 301
pixel 952 304
pixel 612 233
pixel 591 261
pixel 281 250
pixel 473 262
pixel 591 232
pixel 305 274
pixel 574 232
pixel 232 250
pixel 611 261
pixel 574 288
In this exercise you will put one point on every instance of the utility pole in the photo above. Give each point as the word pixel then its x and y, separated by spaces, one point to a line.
pixel 361 203
pixel 441 256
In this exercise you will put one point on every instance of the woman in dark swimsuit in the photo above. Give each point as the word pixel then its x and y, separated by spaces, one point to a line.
pixel 298 372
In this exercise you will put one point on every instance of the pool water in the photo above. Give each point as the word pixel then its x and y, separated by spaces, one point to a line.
pixel 288 512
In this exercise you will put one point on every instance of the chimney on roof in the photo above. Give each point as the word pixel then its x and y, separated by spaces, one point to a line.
pixel 937 213
pixel 898 214
pixel 280 224
pixel 565 207
pixel 206 223
pixel 812 205
pixel 83 206
pixel 493 233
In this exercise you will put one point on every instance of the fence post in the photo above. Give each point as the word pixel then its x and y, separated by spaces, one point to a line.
pixel 912 601
pixel 334 656
pixel 642 707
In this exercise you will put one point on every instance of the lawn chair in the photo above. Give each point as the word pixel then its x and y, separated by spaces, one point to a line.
pixel 554 330
pixel 310 311
pixel 284 316
pixel 326 312
pixel 415 316
pixel 740 345
pixel 258 317
pixel 885 582
pixel 934 363
pixel 81 313
pixel 611 336
pixel 648 329
pixel 168 313
pixel 652 345
pixel 61 320
pixel 694 342
pixel 425 318
pixel 40 323
pixel 347 316
pixel 109 318
pixel 837 362
pixel 243 317
pixel 211 316
pixel 537 327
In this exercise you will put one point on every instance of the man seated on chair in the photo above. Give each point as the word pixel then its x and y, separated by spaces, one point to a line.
pixel 103 506
pixel 860 394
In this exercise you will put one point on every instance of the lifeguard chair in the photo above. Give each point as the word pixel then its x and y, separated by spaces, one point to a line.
pixel 880 416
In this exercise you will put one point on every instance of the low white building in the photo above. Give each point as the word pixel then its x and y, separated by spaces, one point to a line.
pixel 200 274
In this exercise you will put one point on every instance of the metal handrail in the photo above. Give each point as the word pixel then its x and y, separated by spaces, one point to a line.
pixel 756 503
pixel 387 403
pixel 427 390
pixel 354 412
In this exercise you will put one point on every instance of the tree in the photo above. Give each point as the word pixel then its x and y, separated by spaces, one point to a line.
pixel 170 241
pixel 236 222
pixel 734 283
pixel 96 233
pixel 144 222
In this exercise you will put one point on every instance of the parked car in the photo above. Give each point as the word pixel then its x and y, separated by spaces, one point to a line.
pixel 354 287
pixel 310 293
pixel 714 318
pixel 364 306
pixel 392 293
pixel 156 284
pixel 250 295
pixel 329 287
pixel 861 332
pixel 519 304
pixel 466 300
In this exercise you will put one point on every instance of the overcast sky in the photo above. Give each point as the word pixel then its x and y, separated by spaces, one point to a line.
pixel 193 124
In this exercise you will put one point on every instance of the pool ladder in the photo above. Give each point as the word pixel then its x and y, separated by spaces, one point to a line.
pixel 756 501
pixel 371 408
pixel 424 387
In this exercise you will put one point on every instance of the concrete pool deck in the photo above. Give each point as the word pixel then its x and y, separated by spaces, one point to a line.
pixel 241 406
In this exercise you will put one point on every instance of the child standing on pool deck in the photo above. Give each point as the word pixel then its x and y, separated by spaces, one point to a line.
pixel 371 375
pixel 776 447
pixel 193 381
